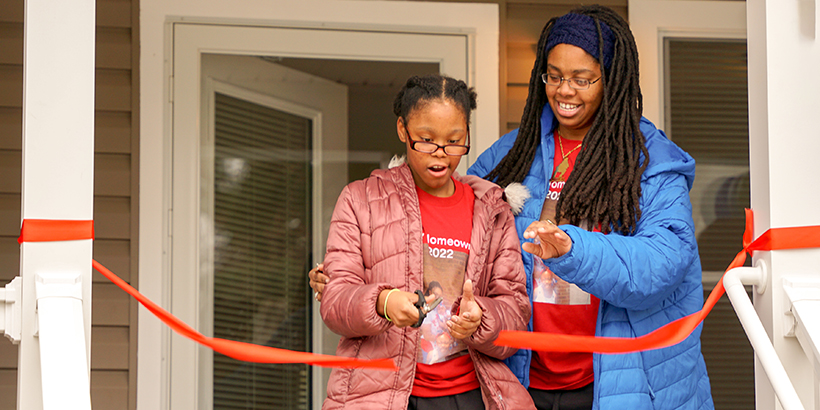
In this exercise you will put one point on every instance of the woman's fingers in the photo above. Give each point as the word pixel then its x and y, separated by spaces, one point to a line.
pixel 318 280
pixel 550 240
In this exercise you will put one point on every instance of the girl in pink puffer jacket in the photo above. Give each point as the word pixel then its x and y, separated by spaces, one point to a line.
pixel 398 232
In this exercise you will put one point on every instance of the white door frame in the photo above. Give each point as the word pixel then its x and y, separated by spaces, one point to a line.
pixel 478 22
pixel 652 21
pixel 189 282
pixel 196 43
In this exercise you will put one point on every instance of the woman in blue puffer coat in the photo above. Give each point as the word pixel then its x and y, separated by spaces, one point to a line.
pixel 607 228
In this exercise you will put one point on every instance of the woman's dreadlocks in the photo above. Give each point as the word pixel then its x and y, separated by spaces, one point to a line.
pixel 605 186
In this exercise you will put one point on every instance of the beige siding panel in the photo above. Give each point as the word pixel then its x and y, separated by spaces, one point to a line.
pixel 10 207
pixel 113 48
pixel 8 389
pixel 109 389
pixel 10 169
pixel 112 133
pixel 109 306
pixel 525 21
pixel 8 354
pixel 12 11
pixel 112 175
pixel 109 347
pixel 516 100
pixel 113 254
pixel 109 377
pixel 11 85
pixel 9 260
pixel 113 91
pixel 11 43
pixel 114 13
pixel 520 58
pixel 112 218
pixel 11 128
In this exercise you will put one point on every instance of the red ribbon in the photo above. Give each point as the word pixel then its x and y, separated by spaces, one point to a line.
pixel 40 230
pixel 239 350
pixel 678 330
pixel 49 230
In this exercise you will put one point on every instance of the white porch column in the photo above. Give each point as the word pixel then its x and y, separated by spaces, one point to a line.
pixel 58 158
pixel 784 110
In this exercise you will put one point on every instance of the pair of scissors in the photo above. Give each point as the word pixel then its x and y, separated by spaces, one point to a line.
pixel 424 308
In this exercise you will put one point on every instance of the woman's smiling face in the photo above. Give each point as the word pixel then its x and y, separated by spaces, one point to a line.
pixel 574 109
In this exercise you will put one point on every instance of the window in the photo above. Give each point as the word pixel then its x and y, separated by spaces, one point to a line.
pixel 261 250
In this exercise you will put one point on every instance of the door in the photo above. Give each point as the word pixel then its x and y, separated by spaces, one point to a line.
pixel 226 68
pixel 461 39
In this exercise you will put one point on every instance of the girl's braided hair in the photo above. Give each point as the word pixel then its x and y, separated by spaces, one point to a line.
pixel 421 90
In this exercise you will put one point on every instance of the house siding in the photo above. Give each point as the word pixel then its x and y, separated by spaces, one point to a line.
pixel 113 334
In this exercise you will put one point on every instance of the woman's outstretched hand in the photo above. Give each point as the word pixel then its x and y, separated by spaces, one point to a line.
pixel 551 241
pixel 318 280
pixel 469 315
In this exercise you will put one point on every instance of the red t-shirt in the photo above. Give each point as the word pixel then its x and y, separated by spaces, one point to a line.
pixel 443 364
pixel 558 306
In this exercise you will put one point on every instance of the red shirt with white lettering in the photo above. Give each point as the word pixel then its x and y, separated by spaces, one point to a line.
pixel 558 306
pixel 444 366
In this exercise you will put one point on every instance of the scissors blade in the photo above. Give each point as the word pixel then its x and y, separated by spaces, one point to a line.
pixel 431 306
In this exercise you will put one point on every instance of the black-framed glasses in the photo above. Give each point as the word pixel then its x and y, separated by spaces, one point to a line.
pixel 574 83
pixel 428 147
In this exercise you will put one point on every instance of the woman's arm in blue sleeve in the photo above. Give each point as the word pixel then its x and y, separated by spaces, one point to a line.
pixel 639 271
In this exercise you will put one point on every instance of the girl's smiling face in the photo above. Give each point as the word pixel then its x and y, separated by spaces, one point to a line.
pixel 574 109
pixel 441 122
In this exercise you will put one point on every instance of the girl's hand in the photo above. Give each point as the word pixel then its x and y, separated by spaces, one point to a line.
pixel 401 308
pixel 318 280
pixel 551 241
pixel 469 316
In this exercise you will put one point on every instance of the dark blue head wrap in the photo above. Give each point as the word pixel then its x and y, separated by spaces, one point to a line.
pixel 580 31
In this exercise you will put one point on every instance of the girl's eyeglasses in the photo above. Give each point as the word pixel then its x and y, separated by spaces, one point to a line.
pixel 429 147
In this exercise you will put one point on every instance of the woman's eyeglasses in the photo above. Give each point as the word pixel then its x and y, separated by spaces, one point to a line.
pixel 574 83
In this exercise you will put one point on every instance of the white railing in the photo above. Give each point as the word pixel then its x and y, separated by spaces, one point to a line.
pixel 734 281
